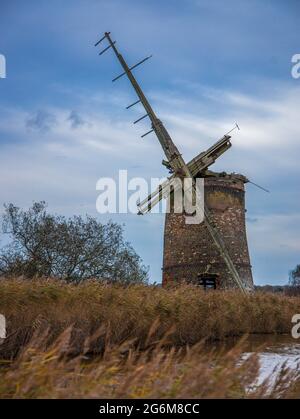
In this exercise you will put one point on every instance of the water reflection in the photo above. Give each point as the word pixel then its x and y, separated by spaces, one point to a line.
pixel 275 351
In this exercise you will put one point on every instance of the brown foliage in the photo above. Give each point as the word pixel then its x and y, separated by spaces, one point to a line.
pixel 187 313
pixel 123 371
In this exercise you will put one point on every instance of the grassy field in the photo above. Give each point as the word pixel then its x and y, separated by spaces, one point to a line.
pixel 94 340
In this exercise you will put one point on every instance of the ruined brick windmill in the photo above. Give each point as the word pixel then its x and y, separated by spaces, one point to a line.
pixel 213 253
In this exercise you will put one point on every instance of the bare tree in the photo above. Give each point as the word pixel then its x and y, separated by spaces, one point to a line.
pixel 73 249
pixel 294 280
pixel 293 287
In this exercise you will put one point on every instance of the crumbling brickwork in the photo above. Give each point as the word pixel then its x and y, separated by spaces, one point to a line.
pixel 189 250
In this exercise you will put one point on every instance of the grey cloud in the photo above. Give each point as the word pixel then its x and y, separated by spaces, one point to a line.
pixel 42 121
pixel 75 119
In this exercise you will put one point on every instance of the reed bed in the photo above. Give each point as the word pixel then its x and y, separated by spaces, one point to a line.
pixel 97 340
pixel 186 313
pixel 125 371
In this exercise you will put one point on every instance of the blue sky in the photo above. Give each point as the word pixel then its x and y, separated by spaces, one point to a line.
pixel 63 123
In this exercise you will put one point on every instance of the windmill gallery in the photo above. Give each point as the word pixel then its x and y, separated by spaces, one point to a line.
pixel 213 253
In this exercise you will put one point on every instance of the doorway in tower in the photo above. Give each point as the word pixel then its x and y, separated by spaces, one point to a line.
pixel 208 281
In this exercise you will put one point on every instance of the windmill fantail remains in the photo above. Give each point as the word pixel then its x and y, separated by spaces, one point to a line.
pixel 213 253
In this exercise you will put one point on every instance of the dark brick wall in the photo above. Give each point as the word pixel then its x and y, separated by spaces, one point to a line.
pixel 189 250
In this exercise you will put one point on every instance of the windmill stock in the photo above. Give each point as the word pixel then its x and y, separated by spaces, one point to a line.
pixel 206 253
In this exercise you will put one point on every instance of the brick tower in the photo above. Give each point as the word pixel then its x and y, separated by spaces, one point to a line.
pixel 190 254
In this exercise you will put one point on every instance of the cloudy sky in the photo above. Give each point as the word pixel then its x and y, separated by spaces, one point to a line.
pixel 63 124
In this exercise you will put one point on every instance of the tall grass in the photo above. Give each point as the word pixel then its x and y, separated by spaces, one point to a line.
pixel 124 371
pixel 186 313
pixel 97 341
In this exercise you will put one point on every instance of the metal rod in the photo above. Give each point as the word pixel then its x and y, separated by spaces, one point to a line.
pixel 131 68
pixel 138 120
pixel 103 51
pixel 102 39
pixel 140 62
pixel 118 77
pixel 235 127
pixel 258 186
pixel 149 132
pixel 130 106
